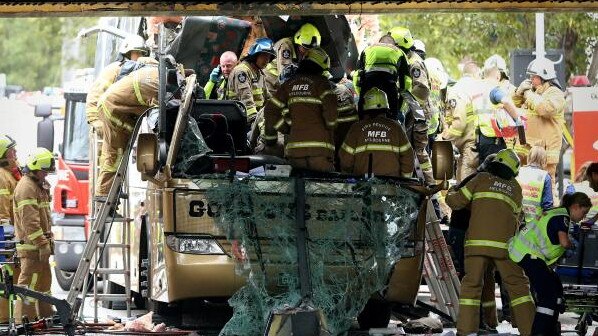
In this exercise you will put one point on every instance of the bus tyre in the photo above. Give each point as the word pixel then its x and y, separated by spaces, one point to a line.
pixel 375 314
pixel 64 278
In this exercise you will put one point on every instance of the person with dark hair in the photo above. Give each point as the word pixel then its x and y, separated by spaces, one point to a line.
pixel 586 175
pixel 305 108
pixel 494 192
pixel 537 247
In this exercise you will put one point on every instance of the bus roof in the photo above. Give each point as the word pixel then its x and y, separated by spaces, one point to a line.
pixel 257 7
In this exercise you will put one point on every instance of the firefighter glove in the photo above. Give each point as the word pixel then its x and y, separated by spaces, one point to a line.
pixel 215 74
pixel 524 86
pixel 45 251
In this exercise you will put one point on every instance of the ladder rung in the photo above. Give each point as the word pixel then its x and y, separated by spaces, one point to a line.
pixel 113 245
pixel 112 297
pixel 111 271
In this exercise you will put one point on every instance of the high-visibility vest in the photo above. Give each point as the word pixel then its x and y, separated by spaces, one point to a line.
pixel 531 179
pixel 585 188
pixel 534 240
pixel 382 57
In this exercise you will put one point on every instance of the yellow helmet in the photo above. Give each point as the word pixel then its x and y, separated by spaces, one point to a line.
pixel 402 37
pixel 375 99
pixel 308 36
pixel 509 159
pixel 6 143
pixel 41 159
pixel 318 56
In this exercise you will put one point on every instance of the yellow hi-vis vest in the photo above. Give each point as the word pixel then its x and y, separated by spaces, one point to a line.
pixel 534 240
pixel 585 188
pixel 531 180
pixel 382 57
pixel 484 109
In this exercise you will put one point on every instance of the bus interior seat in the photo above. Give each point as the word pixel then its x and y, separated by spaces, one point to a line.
pixel 220 121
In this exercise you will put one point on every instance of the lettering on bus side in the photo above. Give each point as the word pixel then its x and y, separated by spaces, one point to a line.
pixel 200 208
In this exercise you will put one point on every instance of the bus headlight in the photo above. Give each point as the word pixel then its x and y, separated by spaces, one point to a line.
pixel 193 245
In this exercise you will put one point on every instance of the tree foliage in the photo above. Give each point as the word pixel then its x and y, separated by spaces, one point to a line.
pixel 35 51
pixel 453 36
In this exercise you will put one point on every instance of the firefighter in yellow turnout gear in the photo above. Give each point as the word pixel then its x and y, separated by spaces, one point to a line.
pixel 495 201
pixel 32 229
pixel 246 82
pixel 9 176
pixel 120 106
pixel 538 246
pixel 305 107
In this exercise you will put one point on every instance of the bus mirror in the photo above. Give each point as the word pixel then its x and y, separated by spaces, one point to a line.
pixel 443 160
pixel 43 110
pixel 147 154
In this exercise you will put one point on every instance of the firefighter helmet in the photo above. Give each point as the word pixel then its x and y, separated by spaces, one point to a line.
pixel 375 99
pixel 262 45
pixel 133 43
pixel 308 36
pixel 542 67
pixel 41 159
pixel 508 158
pixel 402 37
pixel 438 76
pixel 419 45
pixel 496 61
pixel 318 56
pixel 6 143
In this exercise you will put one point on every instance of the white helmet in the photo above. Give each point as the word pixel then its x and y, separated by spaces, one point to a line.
pixel 133 43
pixel 496 61
pixel 437 74
pixel 542 67
pixel 419 45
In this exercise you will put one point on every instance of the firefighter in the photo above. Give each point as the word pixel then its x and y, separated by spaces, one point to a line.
pixel 10 174
pixel 377 138
pixel 582 184
pixel 419 86
pixel 119 108
pixel 32 229
pixel 132 48
pixel 460 122
pixel 537 247
pixel 543 100
pixel 536 185
pixel 496 61
pixel 347 109
pixel 305 107
pixel 289 52
pixel 495 201
pixel 219 76
pixel 247 83
pixel 382 65
pixel 438 85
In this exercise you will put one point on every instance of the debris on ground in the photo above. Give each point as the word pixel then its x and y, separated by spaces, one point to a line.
pixel 141 324
pixel 424 325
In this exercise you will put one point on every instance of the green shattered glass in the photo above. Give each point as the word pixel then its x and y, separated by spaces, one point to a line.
pixel 356 232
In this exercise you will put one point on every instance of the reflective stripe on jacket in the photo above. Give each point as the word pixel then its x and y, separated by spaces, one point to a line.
pixel 32 216
pixel 311 115
pixel 128 98
pixel 531 180
pixel 495 206
pixel 247 84
pixel 106 77
pixel 385 141
pixel 382 57
pixel 7 187
pixel 534 240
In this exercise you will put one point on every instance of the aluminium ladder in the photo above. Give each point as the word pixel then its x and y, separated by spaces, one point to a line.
pixel 101 221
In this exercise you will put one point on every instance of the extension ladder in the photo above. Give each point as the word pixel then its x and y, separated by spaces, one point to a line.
pixel 439 270
pixel 103 216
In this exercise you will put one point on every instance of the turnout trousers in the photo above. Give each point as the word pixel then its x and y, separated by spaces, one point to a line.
pixel 476 267
pixel 548 290
pixel 35 275
pixel 115 141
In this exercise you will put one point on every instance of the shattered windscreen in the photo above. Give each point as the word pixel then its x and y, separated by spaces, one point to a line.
pixel 191 158
pixel 356 232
